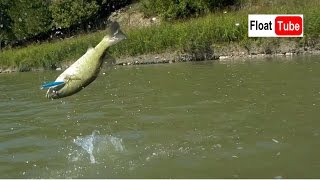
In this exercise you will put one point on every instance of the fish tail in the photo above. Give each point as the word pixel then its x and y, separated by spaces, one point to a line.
pixel 114 34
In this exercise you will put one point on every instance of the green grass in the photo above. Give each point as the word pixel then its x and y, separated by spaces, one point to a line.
pixel 191 35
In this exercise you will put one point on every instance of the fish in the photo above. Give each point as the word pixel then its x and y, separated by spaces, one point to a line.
pixel 86 69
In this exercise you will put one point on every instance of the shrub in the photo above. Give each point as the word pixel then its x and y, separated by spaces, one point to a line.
pixel 69 12
pixel 29 18
pixel 177 9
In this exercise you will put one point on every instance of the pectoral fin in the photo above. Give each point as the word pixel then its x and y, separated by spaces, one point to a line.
pixel 51 84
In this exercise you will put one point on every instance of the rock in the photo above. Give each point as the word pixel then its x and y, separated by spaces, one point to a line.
pixel 224 57
pixel 289 54
pixel 7 71
pixel 58 69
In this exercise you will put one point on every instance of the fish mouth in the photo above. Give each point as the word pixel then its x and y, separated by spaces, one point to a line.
pixel 52 94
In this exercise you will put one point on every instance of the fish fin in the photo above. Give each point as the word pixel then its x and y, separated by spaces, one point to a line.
pixel 108 63
pixel 114 34
pixel 51 84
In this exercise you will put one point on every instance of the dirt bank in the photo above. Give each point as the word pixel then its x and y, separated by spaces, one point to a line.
pixel 227 52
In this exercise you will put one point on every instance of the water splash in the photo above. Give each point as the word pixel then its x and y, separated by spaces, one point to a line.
pixel 87 144
pixel 97 144
pixel 117 143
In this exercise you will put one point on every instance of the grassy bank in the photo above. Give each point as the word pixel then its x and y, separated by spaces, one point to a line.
pixel 193 35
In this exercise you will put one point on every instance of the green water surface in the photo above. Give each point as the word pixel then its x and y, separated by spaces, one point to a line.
pixel 235 119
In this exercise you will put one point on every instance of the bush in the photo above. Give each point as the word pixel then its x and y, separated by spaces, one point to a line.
pixel 23 21
pixel 66 13
pixel 5 22
pixel 29 18
pixel 177 9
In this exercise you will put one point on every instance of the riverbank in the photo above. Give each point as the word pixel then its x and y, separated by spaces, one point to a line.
pixel 234 51
pixel 222 53
pixel 219 35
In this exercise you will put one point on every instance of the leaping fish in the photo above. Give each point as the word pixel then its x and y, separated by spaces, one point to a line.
pixel 86 69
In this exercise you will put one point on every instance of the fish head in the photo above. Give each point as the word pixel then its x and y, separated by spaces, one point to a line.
pixel 52 93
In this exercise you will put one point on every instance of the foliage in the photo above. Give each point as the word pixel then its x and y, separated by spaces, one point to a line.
pixel 175 9
pixel 111 5
pixel 66 13
pixel 5 21
pixel 29 18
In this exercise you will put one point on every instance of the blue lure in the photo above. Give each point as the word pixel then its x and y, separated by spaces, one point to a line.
pixel 51 84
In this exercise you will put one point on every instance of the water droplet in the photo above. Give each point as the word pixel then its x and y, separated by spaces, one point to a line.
pixel 217 145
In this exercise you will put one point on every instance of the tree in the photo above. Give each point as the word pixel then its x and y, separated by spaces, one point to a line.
pixel 29 18
pixel 66 13
pixel 177 9
pixel 5 22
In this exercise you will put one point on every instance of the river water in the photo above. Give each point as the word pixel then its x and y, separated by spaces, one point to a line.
pixel 234 119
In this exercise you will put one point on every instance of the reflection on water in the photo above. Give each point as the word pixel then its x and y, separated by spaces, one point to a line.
pixel 249 119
